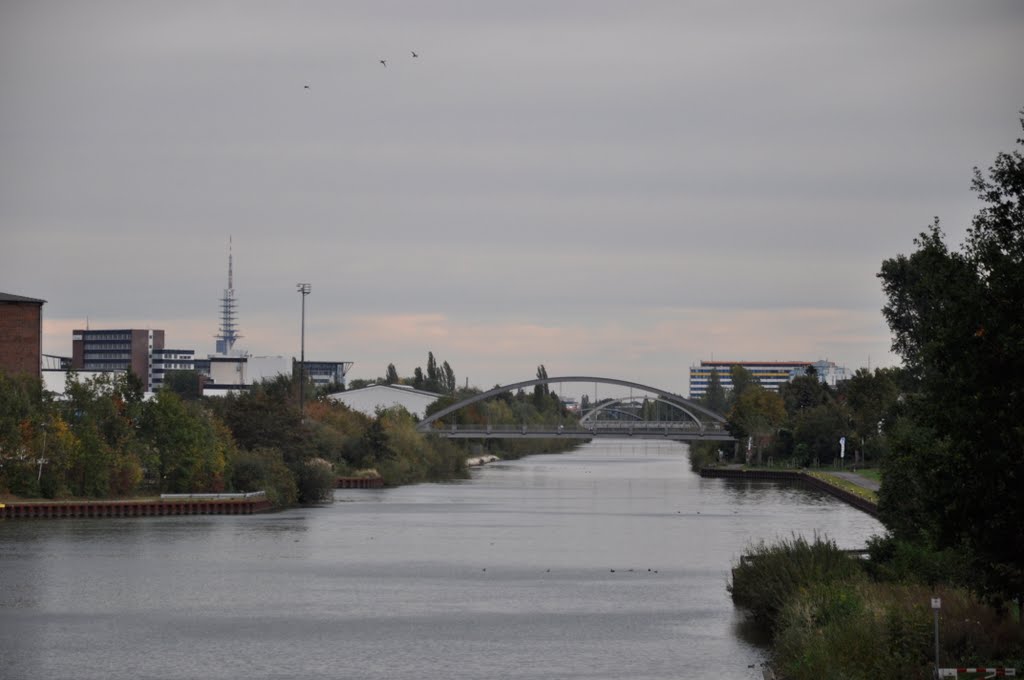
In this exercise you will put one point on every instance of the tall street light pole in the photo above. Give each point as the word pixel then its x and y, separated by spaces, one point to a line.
pixel 303 289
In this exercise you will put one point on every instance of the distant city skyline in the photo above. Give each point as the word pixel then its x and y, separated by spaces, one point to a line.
pixel 609 188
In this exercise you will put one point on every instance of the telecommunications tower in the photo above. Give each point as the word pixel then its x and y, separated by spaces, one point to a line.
pixel 228 328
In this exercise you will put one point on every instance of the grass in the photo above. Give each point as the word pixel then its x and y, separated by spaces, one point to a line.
pixel 871 473
pixel 845 485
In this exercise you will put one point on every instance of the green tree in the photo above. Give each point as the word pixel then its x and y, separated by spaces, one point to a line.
pixel 805 392
pixel 103 414
pixel 391 377
pixel 540 392
pixel 715 397
pixel 192 453
pixel 957 323
pixel 267 415
pixel 21 413
pixel 742 379
pixel 263 469
pixel 186 384
pixel 757 414
pixel 448 379
pixel 433 383
pixel 871 399
pixel 816 433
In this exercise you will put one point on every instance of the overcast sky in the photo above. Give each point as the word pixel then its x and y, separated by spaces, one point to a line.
pixel 610 188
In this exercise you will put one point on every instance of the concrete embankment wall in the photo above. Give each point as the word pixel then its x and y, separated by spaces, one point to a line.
pixel 359 483
pixel 794 476
pixel 85 509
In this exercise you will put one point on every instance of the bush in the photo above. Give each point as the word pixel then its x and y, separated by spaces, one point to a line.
pixel 263 469
pixel 316 481
pixel 884 631
pixel 898 561
pixel 769 576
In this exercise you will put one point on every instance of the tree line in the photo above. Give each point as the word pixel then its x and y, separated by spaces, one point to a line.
pixel 102 439
pixel 802 423
pixel 946 428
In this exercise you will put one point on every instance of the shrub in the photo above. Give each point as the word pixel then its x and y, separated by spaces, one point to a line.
pixel 770 575
pixel 316 481
pixel 884 631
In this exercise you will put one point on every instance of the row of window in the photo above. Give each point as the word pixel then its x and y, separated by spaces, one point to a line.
pixel 160 368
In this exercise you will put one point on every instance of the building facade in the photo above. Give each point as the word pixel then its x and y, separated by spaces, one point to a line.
pixel 21 335
pixel 326 373
pixel 368 399
pixel 770 374
pixel 127 349
pixel 165 360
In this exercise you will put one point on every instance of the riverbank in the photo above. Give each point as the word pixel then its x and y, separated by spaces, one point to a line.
pixel 830 615
pixel 211 504
pixel 508 571
pixel 859 496
pixel 477 461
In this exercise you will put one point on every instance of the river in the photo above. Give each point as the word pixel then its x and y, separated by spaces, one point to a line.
pixel 608 562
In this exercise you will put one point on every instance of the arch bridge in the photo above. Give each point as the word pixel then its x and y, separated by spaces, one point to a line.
pixel 691 422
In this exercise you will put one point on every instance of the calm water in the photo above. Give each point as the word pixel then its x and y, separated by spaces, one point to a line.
pixel 610 562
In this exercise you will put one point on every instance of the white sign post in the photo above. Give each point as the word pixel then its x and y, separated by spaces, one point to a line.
pixel 842 450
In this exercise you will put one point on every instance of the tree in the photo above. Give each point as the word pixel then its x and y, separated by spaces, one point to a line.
pixel 448 378
pixel 433 375
pixel 757 414
pixel 957 324
pixel 192 451
pixel 20 410
pixel 392 375
pixel 816 433
pixel 540 391
pixel 186 384
pixel 715 397
pixel 804 392
pixel 871 399
pixel 741 380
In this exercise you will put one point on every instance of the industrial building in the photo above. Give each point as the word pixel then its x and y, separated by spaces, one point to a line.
pixel 165 360
pixel 326 373
pixel 369 399
pixel 21 334
pixel 770 374
pixel 124 349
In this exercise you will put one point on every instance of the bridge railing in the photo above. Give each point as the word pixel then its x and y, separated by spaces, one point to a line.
pixel 598 426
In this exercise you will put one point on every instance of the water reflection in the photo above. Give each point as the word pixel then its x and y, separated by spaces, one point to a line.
pixel 610 562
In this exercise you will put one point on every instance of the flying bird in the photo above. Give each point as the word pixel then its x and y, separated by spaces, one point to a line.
pixel 414 55
pixel 384 62
pixel 305 87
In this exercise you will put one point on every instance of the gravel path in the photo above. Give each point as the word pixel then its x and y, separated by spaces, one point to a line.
pixel 854 478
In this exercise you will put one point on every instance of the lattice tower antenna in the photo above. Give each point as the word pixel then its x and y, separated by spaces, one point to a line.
pixel 228 314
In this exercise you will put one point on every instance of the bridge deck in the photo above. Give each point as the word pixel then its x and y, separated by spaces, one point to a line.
pixel 636 430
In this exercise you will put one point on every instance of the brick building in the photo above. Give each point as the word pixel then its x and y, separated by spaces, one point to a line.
pixel 21 334
pixel 117 350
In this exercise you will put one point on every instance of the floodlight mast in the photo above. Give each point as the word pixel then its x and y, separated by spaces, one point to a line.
pixel 303 289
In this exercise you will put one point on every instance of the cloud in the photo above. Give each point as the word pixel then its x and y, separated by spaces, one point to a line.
pixel 591 185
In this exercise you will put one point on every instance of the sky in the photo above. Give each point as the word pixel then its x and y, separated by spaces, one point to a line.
pixel 606 188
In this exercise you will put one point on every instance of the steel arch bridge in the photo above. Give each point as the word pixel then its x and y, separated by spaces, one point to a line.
pixel 700 423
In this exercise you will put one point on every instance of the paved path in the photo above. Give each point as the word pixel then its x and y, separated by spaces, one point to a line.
pixel 854 478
